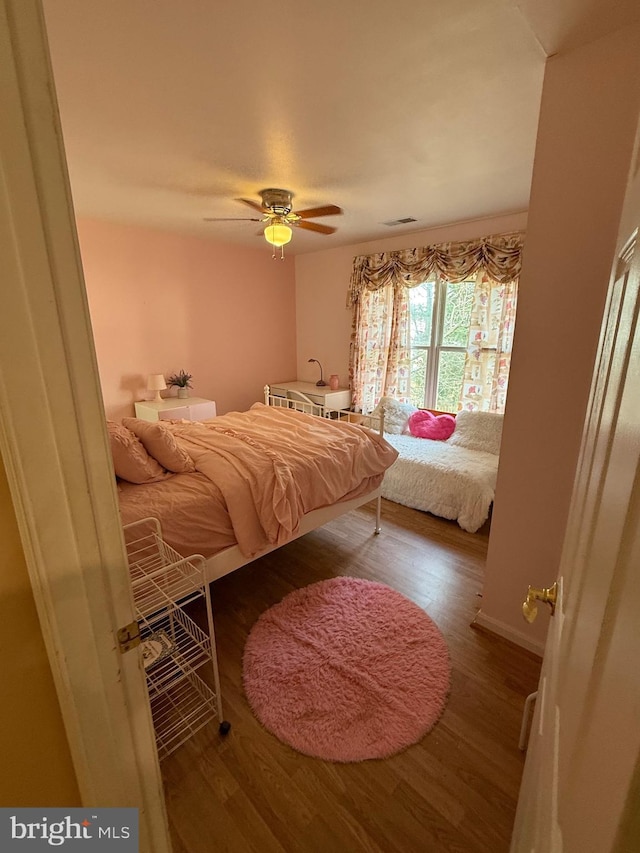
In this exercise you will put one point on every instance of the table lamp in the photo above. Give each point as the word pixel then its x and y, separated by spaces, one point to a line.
pixel 155 382
pixel 321 380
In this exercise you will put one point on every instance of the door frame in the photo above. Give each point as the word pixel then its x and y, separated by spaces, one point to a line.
pixel 55 449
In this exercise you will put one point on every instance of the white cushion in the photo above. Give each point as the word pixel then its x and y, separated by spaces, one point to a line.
pixel 396 415
pixel 478 431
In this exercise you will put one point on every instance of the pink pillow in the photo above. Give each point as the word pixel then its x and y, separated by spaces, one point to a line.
pixel 161 444
pixel 425 424
pixel 130 460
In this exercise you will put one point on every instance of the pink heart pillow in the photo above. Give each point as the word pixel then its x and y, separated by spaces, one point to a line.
pixel 425 424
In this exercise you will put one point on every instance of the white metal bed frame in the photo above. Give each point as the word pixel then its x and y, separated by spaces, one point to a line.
pixel 232 558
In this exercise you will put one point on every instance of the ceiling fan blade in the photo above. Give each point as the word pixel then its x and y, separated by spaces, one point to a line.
pixel 251 203
pixel 232 219
pixel 327 210
pixel 315 226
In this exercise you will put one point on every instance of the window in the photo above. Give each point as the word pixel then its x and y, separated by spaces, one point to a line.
pixel 411 343
pixel 439 320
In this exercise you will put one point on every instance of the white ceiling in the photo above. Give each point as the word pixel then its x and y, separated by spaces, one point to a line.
pixel 421 108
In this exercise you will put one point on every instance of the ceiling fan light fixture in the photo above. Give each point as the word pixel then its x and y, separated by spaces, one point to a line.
pixel 278 234
pixel 277 217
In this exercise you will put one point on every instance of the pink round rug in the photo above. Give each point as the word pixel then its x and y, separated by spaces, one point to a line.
pixel 346 669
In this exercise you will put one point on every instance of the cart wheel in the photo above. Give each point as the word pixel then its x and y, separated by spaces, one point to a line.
pixel 224 727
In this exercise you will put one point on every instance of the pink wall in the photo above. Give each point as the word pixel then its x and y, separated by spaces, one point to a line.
pixel 161 302
pixel 589 112
pixel 323 322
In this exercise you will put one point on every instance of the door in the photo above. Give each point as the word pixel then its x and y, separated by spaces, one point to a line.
pixel 583 758
pixel 54 446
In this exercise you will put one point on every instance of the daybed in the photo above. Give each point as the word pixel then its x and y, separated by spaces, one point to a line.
pixel 455 478
pixel 235 487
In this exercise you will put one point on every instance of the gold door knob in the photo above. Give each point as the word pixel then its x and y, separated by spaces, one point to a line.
pixel 549 596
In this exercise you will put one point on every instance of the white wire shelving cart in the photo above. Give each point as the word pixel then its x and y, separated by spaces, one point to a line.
pixel 175 650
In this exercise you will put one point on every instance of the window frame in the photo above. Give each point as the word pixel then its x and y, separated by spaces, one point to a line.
pixel 436 346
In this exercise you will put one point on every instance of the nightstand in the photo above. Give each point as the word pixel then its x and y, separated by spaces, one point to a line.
pixel 175 409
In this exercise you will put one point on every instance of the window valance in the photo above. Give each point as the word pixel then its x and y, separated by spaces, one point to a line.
pixel 500 255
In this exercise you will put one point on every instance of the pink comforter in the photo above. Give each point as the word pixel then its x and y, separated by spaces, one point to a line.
pixel 272 465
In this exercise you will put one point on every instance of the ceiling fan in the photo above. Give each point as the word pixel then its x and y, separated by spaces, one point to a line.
pixel 278 216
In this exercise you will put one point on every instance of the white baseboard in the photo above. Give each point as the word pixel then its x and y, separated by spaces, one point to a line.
pixel 509 633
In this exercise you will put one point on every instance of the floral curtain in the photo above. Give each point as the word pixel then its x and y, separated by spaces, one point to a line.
pixel 488 359
pixel 380 346
pixel 379 362
pixel 499 256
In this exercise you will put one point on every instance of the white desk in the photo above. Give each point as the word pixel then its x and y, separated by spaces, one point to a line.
pixel 176 408
pixel 322 395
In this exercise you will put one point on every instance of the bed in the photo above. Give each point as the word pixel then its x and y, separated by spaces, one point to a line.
pixel 453 478
pixel 254 481
pixel 446 480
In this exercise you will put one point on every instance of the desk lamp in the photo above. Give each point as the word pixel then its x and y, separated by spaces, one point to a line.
pixel 321 380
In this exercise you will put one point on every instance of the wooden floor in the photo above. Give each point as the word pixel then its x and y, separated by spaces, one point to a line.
pixel 456 790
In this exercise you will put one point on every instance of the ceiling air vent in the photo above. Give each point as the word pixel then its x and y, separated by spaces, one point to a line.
pixel 404 221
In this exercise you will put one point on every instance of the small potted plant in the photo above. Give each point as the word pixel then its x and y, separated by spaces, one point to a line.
pixel 182 381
